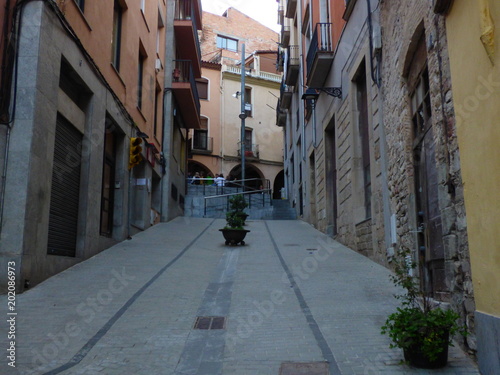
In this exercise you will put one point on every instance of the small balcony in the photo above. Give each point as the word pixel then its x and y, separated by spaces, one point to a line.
pixel 280 61
pixel 281 15
pixel 320 55
pixel 286 93
pixel 291 7
pixel 187 21
pixel 251 151
pixel 186 93
pixel 202 145
pixel 280 115
pixel 285 36
pixel 292 65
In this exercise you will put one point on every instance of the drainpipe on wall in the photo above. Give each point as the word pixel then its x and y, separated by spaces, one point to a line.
pixel 167 109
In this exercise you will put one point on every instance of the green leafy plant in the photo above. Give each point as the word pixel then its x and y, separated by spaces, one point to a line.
pixel 238 203
pixel 416 325
pixel 235 218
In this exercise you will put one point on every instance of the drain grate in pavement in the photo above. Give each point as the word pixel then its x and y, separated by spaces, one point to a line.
pixel 310 368
pixel 210 322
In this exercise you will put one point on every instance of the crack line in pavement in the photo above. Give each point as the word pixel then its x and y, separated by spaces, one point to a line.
pixel 82 353
pixel 320 339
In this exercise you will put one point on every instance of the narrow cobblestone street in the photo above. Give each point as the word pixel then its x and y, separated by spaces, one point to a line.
pixel 291 294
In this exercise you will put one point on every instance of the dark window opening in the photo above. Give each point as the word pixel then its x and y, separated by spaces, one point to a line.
pixel 200 140
pixel 117 35
pixel 140 79
pixel 81 5
pixel 108 184
pixel 248 102
pixel 364 135
pixel 202 86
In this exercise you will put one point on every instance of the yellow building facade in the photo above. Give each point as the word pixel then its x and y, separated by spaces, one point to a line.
pixel 474 49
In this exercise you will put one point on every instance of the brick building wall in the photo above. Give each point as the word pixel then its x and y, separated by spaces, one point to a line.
pixel 233 24
pixel 404 23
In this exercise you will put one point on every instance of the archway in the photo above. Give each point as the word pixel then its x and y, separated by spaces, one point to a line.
pixel 279 182
pixel 251 172
pixel 195 166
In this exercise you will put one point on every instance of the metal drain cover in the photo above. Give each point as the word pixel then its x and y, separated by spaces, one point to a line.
pixel 210 322
pixel 311 368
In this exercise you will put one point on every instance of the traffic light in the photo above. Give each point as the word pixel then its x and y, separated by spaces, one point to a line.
pixel 135 156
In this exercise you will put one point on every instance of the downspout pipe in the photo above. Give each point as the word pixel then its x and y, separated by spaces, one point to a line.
pixel 370 37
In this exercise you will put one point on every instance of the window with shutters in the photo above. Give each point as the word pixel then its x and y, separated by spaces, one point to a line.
pixel 202 86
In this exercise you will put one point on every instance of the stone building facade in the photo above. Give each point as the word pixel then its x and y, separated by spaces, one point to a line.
pixel 424 174
pixel 371 153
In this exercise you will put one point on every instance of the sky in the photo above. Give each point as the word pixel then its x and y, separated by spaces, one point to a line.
pixel 264 11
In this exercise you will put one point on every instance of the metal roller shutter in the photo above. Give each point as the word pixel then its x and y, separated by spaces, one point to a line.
pixel 65 193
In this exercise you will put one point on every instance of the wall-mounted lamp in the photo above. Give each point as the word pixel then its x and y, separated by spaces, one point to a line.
pixel 336 92
pixel 312 95
pixel 236 94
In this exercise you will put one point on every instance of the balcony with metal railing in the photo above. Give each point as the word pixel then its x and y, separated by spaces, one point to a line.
pixel 292 65
pixel 186 93
pixel 286 93
pixel 280 60
pixel 251 151
pixel 320 55
pixel 285 36
pixel 280 114
pixel 291 8
pixel 281 15
pixel 187 19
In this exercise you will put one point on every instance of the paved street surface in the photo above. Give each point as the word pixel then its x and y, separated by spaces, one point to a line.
pixel 291 295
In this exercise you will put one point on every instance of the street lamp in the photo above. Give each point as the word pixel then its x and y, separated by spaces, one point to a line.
pixel 242 114
pixel 312 95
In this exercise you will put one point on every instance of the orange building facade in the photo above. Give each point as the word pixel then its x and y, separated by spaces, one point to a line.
pixel 86 86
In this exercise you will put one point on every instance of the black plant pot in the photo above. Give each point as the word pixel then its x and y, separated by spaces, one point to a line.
pixel 234 236
pixel 415 357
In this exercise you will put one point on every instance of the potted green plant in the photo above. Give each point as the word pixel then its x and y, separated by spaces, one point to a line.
pixel 423 331
pixel 233 232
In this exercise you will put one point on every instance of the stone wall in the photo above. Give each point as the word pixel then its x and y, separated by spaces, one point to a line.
pixel 402 23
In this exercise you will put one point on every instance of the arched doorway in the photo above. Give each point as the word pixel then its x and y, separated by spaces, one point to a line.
pixel 279 182
pixel 194 166
pixel 251 173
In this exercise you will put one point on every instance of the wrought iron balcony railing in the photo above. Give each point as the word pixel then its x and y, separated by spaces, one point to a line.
pixel 183 72
pixel 184 11
pixel 251 150
pixel 320 42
